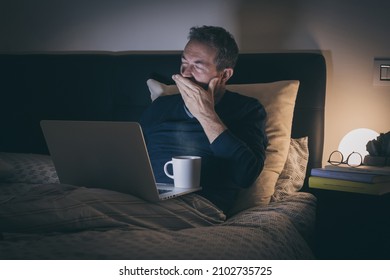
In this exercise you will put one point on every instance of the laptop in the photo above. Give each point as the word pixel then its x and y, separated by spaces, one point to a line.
pixel 109 155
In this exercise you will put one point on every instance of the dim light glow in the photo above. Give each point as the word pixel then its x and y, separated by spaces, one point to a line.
pixel 356 141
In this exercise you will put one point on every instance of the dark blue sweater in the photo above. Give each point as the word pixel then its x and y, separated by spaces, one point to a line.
pixel 232 161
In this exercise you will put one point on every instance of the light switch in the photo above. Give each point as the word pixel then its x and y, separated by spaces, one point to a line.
pixel 385 72
pixel 381 72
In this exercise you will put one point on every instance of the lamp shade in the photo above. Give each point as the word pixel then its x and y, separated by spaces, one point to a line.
pixel 356 141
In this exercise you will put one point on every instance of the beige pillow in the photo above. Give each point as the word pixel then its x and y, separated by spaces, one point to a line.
pixel 278 99
pixel 293 174
pixel 156 89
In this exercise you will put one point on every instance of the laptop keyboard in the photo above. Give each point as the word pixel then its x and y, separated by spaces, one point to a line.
pixel 160 191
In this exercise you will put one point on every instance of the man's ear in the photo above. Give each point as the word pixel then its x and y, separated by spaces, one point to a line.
pixel 227 74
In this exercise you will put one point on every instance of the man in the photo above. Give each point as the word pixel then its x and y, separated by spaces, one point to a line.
pixel 224 128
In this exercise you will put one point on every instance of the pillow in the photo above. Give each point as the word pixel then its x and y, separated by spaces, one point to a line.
pixel 278 99
pixel 157 89
pixel 293 174
pixel 6 169
pixel 30 168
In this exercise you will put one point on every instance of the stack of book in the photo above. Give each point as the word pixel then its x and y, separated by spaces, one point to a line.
pixel 365 179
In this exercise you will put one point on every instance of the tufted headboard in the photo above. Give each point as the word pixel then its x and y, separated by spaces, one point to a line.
pixel 112 86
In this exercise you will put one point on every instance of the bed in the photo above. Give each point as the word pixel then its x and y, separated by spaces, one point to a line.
pixel 40 218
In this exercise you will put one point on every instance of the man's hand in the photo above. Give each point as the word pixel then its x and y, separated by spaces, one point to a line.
pixel 200 103
pixel 198 100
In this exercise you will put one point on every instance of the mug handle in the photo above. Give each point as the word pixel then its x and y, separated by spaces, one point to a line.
pixel 166 169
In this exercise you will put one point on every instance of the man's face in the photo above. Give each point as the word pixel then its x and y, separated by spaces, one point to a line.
pixel 198 63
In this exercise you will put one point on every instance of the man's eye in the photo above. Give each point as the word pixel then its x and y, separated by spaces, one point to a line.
pixel 198 68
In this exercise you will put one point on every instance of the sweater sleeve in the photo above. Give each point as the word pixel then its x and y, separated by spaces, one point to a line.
pixel 244 148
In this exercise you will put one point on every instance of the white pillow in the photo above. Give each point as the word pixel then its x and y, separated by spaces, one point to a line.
pixel 278 99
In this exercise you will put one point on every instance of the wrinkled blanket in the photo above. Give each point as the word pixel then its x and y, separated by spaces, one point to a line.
pixel 57 221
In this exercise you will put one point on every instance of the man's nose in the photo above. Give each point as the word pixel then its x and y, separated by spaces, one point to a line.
pixel 186 71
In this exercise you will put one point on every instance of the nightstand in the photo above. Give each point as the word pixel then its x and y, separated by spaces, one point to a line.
pixel 352 226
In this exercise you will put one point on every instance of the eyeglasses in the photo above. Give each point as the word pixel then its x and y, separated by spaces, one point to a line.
pixel 354 159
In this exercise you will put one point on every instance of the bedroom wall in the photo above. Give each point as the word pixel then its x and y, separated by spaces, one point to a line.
pixel 349 33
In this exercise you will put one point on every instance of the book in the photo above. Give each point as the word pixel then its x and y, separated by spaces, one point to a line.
pixel 378 170
pixel 364 177
pixel 349 186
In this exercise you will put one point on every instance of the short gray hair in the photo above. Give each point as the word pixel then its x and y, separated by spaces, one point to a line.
pixel 220 39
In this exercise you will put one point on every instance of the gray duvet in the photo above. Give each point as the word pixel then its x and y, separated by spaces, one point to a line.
pixel 57 221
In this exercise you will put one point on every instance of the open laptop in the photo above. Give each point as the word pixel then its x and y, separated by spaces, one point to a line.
pixel 109 155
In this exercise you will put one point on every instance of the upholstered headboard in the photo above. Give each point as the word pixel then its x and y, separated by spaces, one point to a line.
pixel 112 86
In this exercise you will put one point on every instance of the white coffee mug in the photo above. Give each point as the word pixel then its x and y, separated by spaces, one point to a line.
pixel 186 171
